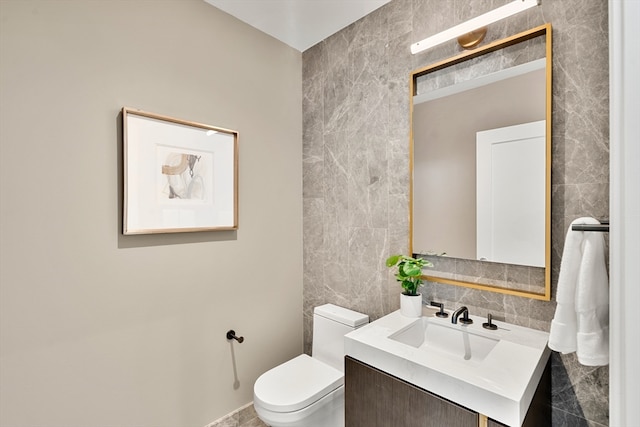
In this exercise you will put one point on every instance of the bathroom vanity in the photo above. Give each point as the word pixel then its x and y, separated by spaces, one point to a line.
pixel 406 372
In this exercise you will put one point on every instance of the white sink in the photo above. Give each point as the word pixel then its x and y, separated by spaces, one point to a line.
pixel 492 372
pixel 429 335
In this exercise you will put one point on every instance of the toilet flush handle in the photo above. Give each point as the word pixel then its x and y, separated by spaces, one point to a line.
pixel 231 335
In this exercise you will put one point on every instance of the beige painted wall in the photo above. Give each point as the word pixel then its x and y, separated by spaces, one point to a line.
pixel 102 329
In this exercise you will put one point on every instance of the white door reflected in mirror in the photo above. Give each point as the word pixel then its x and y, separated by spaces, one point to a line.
pixel 510 194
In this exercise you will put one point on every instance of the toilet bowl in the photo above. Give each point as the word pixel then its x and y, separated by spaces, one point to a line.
pixel 308 391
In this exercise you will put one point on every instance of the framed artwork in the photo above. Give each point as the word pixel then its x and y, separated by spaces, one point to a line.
pixel 179 176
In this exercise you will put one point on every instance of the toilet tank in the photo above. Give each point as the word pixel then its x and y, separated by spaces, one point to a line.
pixel 330 324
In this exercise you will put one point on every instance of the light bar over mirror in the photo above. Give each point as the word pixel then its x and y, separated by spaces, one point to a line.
pixel 476 23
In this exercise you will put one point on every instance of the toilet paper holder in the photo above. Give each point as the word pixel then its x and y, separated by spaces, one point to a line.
pixel 231 335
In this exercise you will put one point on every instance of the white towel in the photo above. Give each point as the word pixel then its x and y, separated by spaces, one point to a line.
pixel 581 321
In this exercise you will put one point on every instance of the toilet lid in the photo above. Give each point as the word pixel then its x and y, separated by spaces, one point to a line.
pixel 295 384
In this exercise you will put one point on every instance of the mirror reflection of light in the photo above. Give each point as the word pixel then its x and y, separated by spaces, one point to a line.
pixel 211 132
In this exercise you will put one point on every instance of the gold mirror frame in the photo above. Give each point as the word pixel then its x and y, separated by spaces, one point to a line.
pixel 543 30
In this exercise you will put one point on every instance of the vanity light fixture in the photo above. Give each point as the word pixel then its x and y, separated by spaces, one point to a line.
pixel 471 25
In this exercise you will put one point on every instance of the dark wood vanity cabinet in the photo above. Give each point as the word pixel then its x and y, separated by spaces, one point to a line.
pixel 374 398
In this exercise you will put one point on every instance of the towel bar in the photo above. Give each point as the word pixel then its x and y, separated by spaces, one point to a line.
pixel 602 227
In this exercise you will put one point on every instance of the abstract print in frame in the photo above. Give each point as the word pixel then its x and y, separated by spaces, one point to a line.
pixel 179 176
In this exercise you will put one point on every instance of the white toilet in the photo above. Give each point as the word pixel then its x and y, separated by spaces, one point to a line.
pixel 309 391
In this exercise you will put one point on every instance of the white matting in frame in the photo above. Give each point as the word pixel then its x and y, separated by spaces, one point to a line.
pixel 179 176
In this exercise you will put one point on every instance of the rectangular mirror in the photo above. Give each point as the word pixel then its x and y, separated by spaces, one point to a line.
pixel 481 166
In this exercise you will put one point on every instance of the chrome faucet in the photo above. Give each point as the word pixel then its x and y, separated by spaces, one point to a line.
pixel 465 316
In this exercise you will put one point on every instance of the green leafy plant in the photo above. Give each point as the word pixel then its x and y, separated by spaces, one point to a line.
pixel 409 271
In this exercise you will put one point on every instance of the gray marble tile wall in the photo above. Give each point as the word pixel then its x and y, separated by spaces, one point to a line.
pixel 356 174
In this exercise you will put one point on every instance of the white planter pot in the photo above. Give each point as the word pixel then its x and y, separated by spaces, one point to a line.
pixel 411 305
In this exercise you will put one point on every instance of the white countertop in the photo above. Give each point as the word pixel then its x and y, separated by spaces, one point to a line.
pixel 500 386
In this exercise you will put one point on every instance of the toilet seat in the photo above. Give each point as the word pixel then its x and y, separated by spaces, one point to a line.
pixel 296 384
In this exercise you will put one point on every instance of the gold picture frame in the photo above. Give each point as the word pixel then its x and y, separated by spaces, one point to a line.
pixel 179 176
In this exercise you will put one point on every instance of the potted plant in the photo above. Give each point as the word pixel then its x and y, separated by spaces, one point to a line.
pixel 409 274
